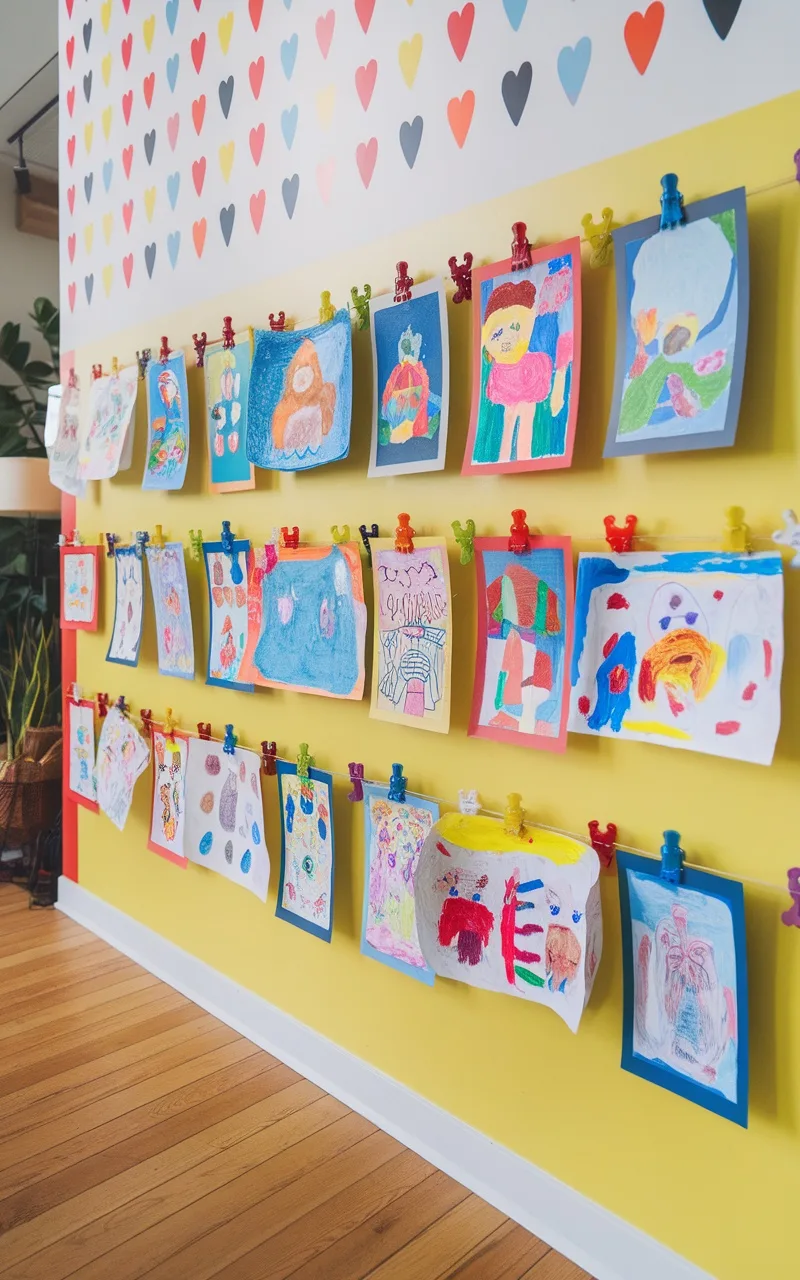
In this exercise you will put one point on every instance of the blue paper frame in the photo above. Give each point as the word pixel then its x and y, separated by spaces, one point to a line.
pixel 426 975
pixel 176 367
pixel 150 552
pixel 734 200
pixel 285 769
pixel 242 545
pixel 731 893
pixel 121 553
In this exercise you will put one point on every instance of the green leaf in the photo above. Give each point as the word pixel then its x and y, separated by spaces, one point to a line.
pixel 17 358
pixel 642 396
pixel 726 221
pixel 39 369
pixel 9 337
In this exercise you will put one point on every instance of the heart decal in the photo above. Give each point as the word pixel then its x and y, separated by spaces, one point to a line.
pixel 173 187
pixel 148 28
pixel 722 15
pixel 198 48
pixel 173 247
pixel 224 32
pixel 127 268
pixel 257 142
pixel 105 14
pixel 199 174
pixel 410 138
pixel 150 258
pixel 71 100
pixel 255 8
pixel 88 284
pixel 573 65
pixel 198 113
pixel 148 85
pixel 173 125
pixel 105 69
pixel 108 170
pixel 226 154
pixel 257 76
pixel 516 87
pixel 87 86
pixel 290 189
pixel 87 34
pixel 171 9
pixel 289 55
pixel 127 214
pixel 409 54
pixel 149 202
pixel 71 149
pixel 88 183
pixel 127 45
pixel 459 116
pixel 289 125
pixel 127 103
pixel 149 145
pixel 515 11
pixel 71 247
pixel 323 28
pixel 71 291
pixel 199 236
pixel 173 65
pixel 364 12
pixel 71 199
pixel 70 51
pixel 227 218
pixel 257 205
pixel 106 121
pixel 365 82
pixel 108 276
pixel 459 29
pixel 127 159
pixel 226 95
pixel 366 156
pixel 642 34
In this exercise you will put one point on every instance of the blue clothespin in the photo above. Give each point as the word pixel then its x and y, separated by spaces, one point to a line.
pixel 672 856
pixel 140 540
pixel 227 540
pixel 397 784
pixel 229 745
pixel 672 210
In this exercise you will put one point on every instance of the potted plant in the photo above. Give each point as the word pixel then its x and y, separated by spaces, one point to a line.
pixel 30 756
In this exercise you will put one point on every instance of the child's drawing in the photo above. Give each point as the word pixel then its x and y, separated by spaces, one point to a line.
pixel 167 569
pixel 79 588
pixel 227 377
pixel 168 423
pixel 225 816
pixel 170 755
pixel 122 757
pixel 228 617
pixel 305 892
pixel 129 608
pixel 107 446
pixel 82 783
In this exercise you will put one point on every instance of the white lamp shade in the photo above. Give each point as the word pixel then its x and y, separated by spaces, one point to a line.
pixel 25 488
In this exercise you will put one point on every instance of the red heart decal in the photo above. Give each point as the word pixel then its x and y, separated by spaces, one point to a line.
pixel 71 199
pixel 324 29
pixel 71 149
pixel 364 12
pixel 255 7
pixel 199 112
pixel 127 160
pixel 127 268
pixel 199 236
pixel 69 7
pixel 127 214
pixel 197 4
pixel 365 82
pixel 198 51
pixel 71 100
pixel 459 29
pixel 148 85
pixel 71 247
pixel 126 4
pixel 459 115
pixel 366 155
pixel 257 203
pixel 199 174
pixel 71 296
pixel 257 143
pixel 70 50
pixel 257 76
pixel 127 45
pixel 127 103
pixel 642 33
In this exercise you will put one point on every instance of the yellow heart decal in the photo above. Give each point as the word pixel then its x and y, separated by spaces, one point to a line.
pixel 106 118
pixel 326 101
pixel 105 14
pixel 88 135
pixel 148 27
pixel 149 202
pixel 88 236
pixel 105 67
pixel 409 53
pixel 225 30
pixel 108 226
pixel 226 159
pixel 108 275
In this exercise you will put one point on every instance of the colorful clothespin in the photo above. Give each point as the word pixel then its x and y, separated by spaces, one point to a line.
pixel 140 540
pixel 340 535
pixel 121 705
pixel 672 210
pixel 204 731
pixel 102 705
pixel 461 275
pixel 520 247
pixel 157 539
pixel 797 165
pixel 402 283
pixel 604 843
pixel 75 692
pixel 77 540
pixel 368 532
pixel 357 779
pixel 72 380
pixel 397 784
pixel 290 538
pixel 792 915
pixel 599 238
pixel 228 546
pixel 97 372
pixel 514 817
pixel 789 536
pixel 465 537
pixel 228 335
pixel 520 540
pixel 164 353
pixel 277 324
pixel 304 762
pixel 672 856
pixel 361 305
pixel 326 308
pixel 469 802
pixel 269 752
pixel 114 367
pixel 620 539
pixel 404 534
pixel 229 744
pixel 143 359
pixel 146 717
pixel 200 344
pixel 736 534
pixel 169 724
pixel 112 539
pixel 196 544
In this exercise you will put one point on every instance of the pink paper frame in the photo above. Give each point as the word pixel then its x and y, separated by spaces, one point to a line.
pixel 476 730
pixel 488 272
pixel 93 552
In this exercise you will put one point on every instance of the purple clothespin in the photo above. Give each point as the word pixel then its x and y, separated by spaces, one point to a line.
pixel 792 916
pixel 121 705
pixel 797 164
pixel 357 779
pixel 112 539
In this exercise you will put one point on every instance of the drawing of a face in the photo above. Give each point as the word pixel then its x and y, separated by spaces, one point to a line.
pixel 508 323
pixel 168 388
pixel 674 607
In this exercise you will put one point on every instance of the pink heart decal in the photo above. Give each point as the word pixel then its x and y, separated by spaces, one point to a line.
pixel 199 174
pixel 257 143
pixel 199 236
pixel 255 7
pixel 70 50
pixel 148 85
pixel 70 3
pixel 364 12
pixel 71 149
pixel 127 160
pixel 459 29
pixel 199 113
pixel 173 125
pixel 126 4
pixel 365 82
pixel 71 199
pixel 325 175
pixel 127 268
pixel 198 51
pixel 71 296
pixel 127 103
pixel 71 100
pixel 257 75
pixel 324 29
pixel 197 4
pixel 71 247
pixel 366 155
pixel 127 214
pixel 257 203
pixel 459 115
pixel 127 45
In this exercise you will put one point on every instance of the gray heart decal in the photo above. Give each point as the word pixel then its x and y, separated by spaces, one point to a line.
pixel 226 220
pixel 88 284
pixel 290 189
pixel 410 138
pixel 516 87
pixel 150 258
pixel 723 14
pixel 225 95
pixel 87 85
pixel 87 34
pixel 150 145
pixel 87 186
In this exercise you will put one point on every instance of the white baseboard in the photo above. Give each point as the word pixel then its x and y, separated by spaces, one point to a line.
pixel 603 1244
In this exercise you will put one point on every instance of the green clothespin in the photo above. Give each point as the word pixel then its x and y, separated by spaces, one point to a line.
pixel 361 305
pixel 343 536
pixel 465 538
pixel 304 762
pixel 196 544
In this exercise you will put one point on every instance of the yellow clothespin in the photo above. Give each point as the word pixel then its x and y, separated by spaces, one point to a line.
pixel 169 731
pixel 114 367
pixel 514 821
pixel 326 310
pixel 157 537
pixel 736 534
pixel 343 536
pixel 304 762
pixel 598 237
pixel 196 544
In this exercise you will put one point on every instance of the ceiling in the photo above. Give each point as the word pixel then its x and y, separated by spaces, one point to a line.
pixel 28 40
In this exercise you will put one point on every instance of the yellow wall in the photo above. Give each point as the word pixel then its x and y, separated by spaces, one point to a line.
pixel 719 1195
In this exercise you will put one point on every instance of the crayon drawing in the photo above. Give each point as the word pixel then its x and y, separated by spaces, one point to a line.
pixel 411 382
pixel 79 588
pixel 685 1024
pixel 227 378
pixel 122 757
pixel 526 363
pixel 305 892
pixel 168 816
pixel 81 780
pixel 313 621
pixel 167 423
pixel 228 618
pixel 683 298
pixel 394 834
pixel 64 451
pixel 301 389
pixel 126 636
pixel 413 635
pixel 167 569
pixel 683 649
pixel 524 642
pixel 225 816
pixel 108 444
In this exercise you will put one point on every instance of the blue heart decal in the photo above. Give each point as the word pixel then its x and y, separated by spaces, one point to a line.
pixel 88 284
pixel 108 169
pixel 87 85
pixel 289 55
pixel 289 125
pixel 515 11
pixel 290 189
pixel 572 67
pixel 287 4
pixel 172 71
pixel 172 15
pixel 226 95
pixel 150 258
pixel 226 220
pixel 173 246
pixel 150 145
pixel 173 187
pixel 87 186
pixel 410 138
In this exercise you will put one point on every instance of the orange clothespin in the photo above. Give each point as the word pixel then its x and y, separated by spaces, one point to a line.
pixel 404 534
pixel 520 540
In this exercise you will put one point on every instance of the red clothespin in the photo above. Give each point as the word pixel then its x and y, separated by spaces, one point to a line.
pixel 520 539
pixel 604 843
pixel 97 372
pixel 620 539
pixel 164 353
pixel 203 731
pixel 403 283
pixel 520 247
pixel 269 753
pixel 200 345
pixel 102 705
pixel 72 380
pixel 146 718
pixel 277 325
pixel 290 539
pixel 228 335
pixel 461 275
pixel 357 779
pixel 404 534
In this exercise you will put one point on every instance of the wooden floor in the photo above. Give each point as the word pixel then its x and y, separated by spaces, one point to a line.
pixel 140 1136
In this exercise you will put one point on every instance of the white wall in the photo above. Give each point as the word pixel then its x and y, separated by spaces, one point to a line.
pixel 28 265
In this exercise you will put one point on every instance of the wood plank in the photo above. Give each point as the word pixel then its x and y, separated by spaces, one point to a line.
pixel 30 954
pixel 54 1021
pixel 442 1244
pixel 507 1254
pixel 554 1267
pixel 13 939
pixel 19 1006
pixel 32 984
